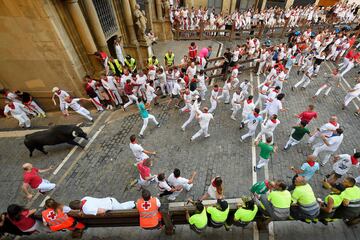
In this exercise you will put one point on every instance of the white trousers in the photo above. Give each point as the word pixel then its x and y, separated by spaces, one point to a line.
pixel 262 162
pixel 225 95
pixel 46 186
pixel 348 68
pixel 146 121
pixel 191 117
pixel 291 142
pixel 132 99
pixel 348 98
pixel 121 206
pixel 24 120
pixel 35 108
pixel 187 106
pixel 323 87
pixel 323 148
pixel 202 94
pixel 203 130
pixel 265 133
pixel 84 112
pixel 261 68
pixel 170 85
pixel 250 133
pixel 236 107
pixel 213 105
pixel 115 96
pixel 97 103
pixel 305 80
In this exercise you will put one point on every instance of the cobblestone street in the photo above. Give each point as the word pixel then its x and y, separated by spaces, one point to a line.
pixel 105 168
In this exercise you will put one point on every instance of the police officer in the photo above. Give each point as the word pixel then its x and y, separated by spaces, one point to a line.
pixel 350 207
pixel 130 63
pixel 169 58
pixel 218 214
pixel 153 61
pixel 115 66
pixel 305 207
pixel 277 203
pixel 198 221
pixel 245 213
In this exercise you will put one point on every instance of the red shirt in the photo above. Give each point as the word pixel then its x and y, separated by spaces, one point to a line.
pixel 192 51
pixel 25 222
pixel 307 116
pixel 143 170
pixel 32 178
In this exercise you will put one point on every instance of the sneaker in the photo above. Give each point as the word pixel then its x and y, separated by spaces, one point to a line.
pixel 158 125
pixel 171 198
pixel 183 129
pixel 207 136
pixel 254 168
pixel 233 118
pixel 241 140
pixel 292 88
pixel 357 114
pixel 141 136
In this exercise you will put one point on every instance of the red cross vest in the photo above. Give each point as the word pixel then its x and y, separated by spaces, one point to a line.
pixel 57 220
pixel 148 212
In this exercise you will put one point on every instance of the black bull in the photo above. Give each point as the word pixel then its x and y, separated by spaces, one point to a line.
pixel 53 136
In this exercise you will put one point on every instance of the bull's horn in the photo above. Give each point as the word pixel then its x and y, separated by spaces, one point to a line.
pixel 74 133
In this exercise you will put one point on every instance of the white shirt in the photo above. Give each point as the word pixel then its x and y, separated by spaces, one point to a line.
pixel 163 186
pixel 214 95
pixel 248 108
pixel 334 142
pixel 274 106
pixel 18 110
pixel 236 98
pixel 62 95
pixel 204 119
pixel 74 104
pixel 109 84
pixel 124 78
pixel 138 151
pixel 141 80
pixel 176 89
pixel 269 126
pixel 191 71
pixel 235 57
pixel 328 128
pixel 244 86
pixel 180 181
pixel 150 92
pixel 162 77
pixel 234 72
pixel 92 205
pixel 343 165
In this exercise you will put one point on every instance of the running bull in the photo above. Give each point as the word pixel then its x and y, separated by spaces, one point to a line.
pixel 53 136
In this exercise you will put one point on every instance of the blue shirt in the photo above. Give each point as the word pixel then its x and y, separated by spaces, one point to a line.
pixel 308 170
pixel 142 110
pixel 289 63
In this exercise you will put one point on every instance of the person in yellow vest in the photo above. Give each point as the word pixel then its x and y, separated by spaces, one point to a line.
pixel 153 61
pixel 218 213
pixel 198 221
pixel 328 206
pixel 277 203
pixel 115 66
pixel 245 213
pixel 130 63
pixel 350 207
pixel 304 205
pixel 148 207
pixel 55 217
pixel 169 58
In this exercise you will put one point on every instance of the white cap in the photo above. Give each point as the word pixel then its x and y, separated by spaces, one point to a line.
pixel 55 89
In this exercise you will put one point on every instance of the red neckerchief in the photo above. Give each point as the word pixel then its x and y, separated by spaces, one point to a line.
pixel 267 84
pixel 256 114
pixel 277 91
pixel 234 68
pixel 82 203
pixel 187 93
pixel 267 184
pixel 333 123
pixel 311 163
pixel 273 120
pixel 354 161
pixel 12 106
pixel 249 101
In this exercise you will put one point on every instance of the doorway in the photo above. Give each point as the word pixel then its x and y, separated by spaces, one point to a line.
pixel 216 4
pixel 111 46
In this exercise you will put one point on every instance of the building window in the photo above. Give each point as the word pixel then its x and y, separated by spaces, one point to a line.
pixel 105 12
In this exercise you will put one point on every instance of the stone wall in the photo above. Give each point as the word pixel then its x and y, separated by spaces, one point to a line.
pixel 36 53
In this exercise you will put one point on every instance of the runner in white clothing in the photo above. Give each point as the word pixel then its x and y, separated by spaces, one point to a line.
pixel 342 164
pixel 214 98
pixel 352 93
pixel 204 118
pixel 139 152
pixel 330 145
pixel 61 94
pixel 248 108
pixel 99 206
pixel 236 101
pixel 268 128
pixel 226 92
pixel 252 122
pixel 327 129
pixel 193 110
pixel 18 111
pixel 109 84
pixel 74 104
